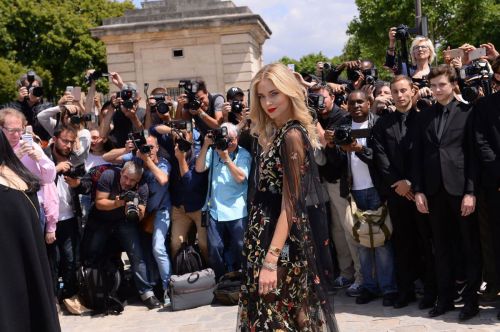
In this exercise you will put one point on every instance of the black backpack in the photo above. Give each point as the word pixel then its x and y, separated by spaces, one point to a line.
pixel 228 288
pixel 187 260
pixel 98 287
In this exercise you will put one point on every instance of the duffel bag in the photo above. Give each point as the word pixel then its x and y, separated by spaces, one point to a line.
pixel 192 290
pixel 228 288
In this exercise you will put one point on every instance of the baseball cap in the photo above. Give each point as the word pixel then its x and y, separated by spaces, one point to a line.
pixel 233 92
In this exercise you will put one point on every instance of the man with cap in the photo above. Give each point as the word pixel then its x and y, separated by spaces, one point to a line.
pixel 233 108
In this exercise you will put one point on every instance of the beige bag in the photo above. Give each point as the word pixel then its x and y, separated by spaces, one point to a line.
pixel 371 229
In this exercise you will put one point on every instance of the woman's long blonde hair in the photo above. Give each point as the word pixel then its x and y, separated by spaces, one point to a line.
pixel 284 80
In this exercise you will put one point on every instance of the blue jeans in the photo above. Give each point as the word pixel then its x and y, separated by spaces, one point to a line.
pixel 377 268
pixel 160 249
pixel 225 244
pixel 127 233
pixel 366 199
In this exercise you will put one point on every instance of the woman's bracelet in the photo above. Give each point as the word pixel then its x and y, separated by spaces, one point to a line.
pixel 270 266
pixel 275 251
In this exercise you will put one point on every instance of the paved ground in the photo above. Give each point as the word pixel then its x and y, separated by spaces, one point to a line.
pixel 372 317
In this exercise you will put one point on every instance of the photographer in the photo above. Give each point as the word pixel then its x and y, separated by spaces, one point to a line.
pixel 235 111
pixel 229 166
pixel 123 115
pixel 487 135
pixel 383 102
pixel 188 187
pixel 444 183
pixel 158 108
pixel 30 102
pixel 360 179
pixel 67 234
pixel 119 206
pixel 209 114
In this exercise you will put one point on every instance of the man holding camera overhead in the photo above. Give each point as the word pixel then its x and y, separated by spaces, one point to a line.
pixel 229 166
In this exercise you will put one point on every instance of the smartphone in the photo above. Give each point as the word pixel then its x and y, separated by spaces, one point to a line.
pixel 28 138
pixel 291 66
pixel 477 53
pixel 77 93
pixel 29 130
pixel 69 88
pixel 456 53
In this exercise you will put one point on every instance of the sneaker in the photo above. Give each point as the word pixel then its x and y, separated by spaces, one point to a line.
pixel 354 290
pixel 365 296
pixel 166 299
pixel 152 303
pixel 459 287
pixel 341 282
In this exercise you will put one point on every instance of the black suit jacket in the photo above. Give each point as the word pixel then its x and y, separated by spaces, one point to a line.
pixel 487 134
pixel 392 148
pixel 447 162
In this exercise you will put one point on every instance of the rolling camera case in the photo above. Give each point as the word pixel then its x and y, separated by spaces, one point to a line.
pixel 192 290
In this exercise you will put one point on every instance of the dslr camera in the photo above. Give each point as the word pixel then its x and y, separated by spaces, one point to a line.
pixel 139 140
pixel 95 76
pixel 131 199
pixel 474 76
pixel 190 88
pixel 237 106
pixel 89 117
pixel 162 106
pixel 371 75
pixel 344 134
pixel 180 125
pixel 75 172
pixel 36 91
pixel 219 136
pixel 316 101
pixel 128 96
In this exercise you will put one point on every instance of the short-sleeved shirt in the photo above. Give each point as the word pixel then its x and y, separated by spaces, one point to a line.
pixel 109 182
pixel 159 196
pixel 229 198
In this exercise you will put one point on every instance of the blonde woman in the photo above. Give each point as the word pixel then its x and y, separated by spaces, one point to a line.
pixel 282 289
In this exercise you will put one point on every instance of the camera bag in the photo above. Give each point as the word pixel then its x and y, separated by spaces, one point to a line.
pixel 192 289
pixel 228 288
pixel 371 229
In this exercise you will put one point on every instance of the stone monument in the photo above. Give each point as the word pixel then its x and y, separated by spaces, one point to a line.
pixel 169 40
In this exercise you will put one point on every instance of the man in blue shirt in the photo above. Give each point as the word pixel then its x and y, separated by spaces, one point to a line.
pixel 227 202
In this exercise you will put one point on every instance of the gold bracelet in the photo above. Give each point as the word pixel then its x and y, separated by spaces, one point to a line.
pixel 270 266
pixel 275 251
pixel 272 253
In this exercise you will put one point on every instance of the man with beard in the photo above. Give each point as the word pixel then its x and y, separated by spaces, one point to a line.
pixel 67 232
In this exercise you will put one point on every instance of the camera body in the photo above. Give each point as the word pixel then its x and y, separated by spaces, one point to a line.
pixel 89 117
pixel 128 96
pixel 140 143
pixel 95 76
pixel 131 199
pixel 183 144
pixel 36 91
pixel 371 75
pixel 402 32
pixel 190 88
pixel 162 106
pixel 344 134
pixel 180 125
pixel 236 106
pixel 76 172
pixel 219 136
pixel 474 76
pixel 316 101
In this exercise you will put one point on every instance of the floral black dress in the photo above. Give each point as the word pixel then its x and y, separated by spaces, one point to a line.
pixel 299 303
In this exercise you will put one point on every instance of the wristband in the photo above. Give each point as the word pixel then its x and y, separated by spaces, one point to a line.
pixel 270 266
pixel 226 162
pixel 275 251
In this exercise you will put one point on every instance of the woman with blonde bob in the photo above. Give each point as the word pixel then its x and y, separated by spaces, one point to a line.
pixel 282 288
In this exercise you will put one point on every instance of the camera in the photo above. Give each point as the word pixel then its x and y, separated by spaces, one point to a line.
pixel 341 97
pixel 36 91
pixel 139 140
pixel 402 32
pixel 473 77
pixel 316 101
pixel 162 106
pixel 95 76
pixel 190 88
pixel 219 136
pixel 128 96
pixel 424 102
pixel 345 135
pixel 75 172
pixel 131 199
pixel 237 106
pixel 180 125
pixel 371 75
pixel 89 117
pixel 183 144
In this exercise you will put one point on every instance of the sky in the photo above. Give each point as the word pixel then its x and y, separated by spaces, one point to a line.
pixel 301 27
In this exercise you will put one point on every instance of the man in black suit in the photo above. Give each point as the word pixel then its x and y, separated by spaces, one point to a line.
pixel 487 133
pixel 392 147
pixel 444 176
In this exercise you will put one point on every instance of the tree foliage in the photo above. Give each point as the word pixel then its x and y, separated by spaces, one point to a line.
pixel 52 37
pixel 451 23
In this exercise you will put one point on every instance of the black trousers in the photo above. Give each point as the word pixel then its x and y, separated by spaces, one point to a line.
pixel 411 238
pixel 452 234
pixel 492 201
pixel 64 255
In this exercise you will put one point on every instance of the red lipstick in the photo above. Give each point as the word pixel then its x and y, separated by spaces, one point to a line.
pixel 270 110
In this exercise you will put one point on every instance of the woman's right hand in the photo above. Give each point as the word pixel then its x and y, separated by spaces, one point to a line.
pixel 268 281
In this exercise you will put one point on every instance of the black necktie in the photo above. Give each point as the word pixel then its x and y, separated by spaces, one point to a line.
pixel 402 123
pixel 443 116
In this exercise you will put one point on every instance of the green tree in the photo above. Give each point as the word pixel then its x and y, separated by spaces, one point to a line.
pixel 53 36
pixel 451 23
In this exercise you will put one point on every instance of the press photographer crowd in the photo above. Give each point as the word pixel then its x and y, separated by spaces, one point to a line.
pixel 410 169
